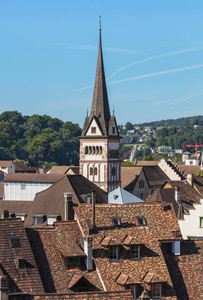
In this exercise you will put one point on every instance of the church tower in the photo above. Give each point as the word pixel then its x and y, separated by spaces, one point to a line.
pixel 100 140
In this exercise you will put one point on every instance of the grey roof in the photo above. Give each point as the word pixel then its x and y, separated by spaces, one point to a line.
pixel 100 105
pixel 120 196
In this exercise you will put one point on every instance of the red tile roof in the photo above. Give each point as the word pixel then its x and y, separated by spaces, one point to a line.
pixel 5 163
pixel 25 177
pixel 25 280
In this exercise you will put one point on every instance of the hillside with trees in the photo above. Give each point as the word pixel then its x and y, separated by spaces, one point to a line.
pixel 38 140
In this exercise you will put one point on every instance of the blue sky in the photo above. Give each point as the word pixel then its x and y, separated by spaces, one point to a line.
pixel 153 57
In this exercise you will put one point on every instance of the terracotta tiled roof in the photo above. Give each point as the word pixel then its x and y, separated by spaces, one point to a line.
pixel 24 177
pixel 51 200
pixel 128 174
pixel 186 271
pixel 154 175
pixel 66 236
pixel 64 170
pixel 198 184
pixel 160 225
pixel 188 195
pixel 20 167
pixel 189 169
pixel 5 163
pixel 143 163
pixel 25 280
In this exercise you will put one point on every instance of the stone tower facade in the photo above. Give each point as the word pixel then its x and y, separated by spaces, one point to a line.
pixel 100 140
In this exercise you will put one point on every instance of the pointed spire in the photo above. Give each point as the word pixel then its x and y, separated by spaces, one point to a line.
pixel 100 103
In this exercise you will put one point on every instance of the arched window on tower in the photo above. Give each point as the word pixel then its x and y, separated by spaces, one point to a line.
pixel 97 150
pixel 86 150
pixel 95 171
pixel 90 150
pixel 91 171
pixel 93 150
pixel 100 150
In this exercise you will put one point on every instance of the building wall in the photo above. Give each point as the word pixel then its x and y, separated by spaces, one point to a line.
pixel 142 192
pixel 96 165
pixel 23 190
pixel 190 226
pixel 9 169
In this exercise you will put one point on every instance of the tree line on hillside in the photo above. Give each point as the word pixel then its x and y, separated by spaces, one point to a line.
pixel 180 122
pixel 39 140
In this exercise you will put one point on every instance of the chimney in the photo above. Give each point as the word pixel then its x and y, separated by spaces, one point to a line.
pixel 190 179
pixel 88 252
pixel 93 209
pixel 69 213
pixel 177 194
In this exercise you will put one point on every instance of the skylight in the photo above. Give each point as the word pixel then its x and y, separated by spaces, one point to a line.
pixel 142 221
pixel 116 221
pixel 15 243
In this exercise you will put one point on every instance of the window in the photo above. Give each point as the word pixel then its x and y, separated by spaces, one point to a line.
pixel 97 150
pixel 142 221
pixel 21 216
pixel 156 290
pixel 100 150
pixel 93 150
pixel 15 243
pixel 91 171
pixel 51 220
pixel 86 150
pixel 23 187
pixel 201 222
pixel 38 220
pixel 88 199
pixel 93 130
pixel 113 171
pixel 113 252
pixel 73 262
pixel 90 150
pixel 191 162
pixel 113 130
pixel 116 221
pixel 95 171
pixel 141 184
pixel 20 263
pixel 135 251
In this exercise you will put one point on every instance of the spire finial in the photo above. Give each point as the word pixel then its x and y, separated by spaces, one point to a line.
pixel 100 23
pixel 87 112
pixel 113 111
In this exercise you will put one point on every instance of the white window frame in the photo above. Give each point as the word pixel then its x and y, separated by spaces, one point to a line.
pixel 51 220
pixel 156 289
pixel 113 252
pixel 135 251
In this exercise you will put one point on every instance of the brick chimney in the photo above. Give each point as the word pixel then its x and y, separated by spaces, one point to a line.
pixel 177 194
pixel 69 213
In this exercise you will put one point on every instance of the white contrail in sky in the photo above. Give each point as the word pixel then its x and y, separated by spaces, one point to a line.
pixel 158 73
pixel 157 56
pixel 185 99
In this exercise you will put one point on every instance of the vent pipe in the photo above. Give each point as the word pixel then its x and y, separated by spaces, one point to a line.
pixel 177 194
pixel 93 209
pixel 69 213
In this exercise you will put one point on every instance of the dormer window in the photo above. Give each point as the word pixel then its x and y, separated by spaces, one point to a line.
pixel 38 220
pixel 141 221
pixel 156 290
pixel 93 130
pixel 135 252
pixel 113 252
pixel 113 130
pixel 117 221
pixel 15 243
pixel 74 262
